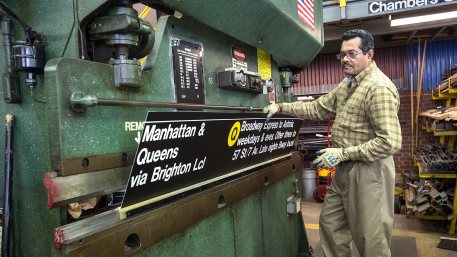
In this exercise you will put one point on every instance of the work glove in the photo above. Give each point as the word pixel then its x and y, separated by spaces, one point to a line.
pixel 271 110
pixel 330 157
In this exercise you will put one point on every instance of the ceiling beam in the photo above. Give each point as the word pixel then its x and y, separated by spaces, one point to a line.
pixel 438 33
pixel 411 36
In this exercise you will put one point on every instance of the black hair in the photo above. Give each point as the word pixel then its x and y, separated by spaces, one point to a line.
pixel 365 36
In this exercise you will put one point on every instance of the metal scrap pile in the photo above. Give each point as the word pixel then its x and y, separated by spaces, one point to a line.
pixel 313 138
pixel 429 197
pixel 436 159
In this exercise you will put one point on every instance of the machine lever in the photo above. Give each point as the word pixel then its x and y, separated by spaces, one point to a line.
pixel 79 101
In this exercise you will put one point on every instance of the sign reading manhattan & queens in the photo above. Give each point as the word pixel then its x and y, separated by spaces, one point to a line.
pixel 181 150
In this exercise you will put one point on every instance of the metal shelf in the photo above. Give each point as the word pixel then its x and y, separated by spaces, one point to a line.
pixel 423 174
pixel 436 217
pixel 448 94
pixel 445 132
pixel 427 217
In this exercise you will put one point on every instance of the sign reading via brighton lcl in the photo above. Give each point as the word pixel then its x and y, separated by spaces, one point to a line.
pixel 179 151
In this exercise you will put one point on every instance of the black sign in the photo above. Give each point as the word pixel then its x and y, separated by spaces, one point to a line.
pixel 181 150
pixel 188 71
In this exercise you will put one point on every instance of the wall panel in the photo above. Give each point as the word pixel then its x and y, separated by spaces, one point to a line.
pixel 325 73
pixel 440 56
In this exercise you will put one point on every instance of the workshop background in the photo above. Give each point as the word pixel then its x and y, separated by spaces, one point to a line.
pixel 420 58
pixel 325 72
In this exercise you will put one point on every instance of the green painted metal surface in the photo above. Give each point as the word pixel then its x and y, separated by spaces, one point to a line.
pixel 104 127
pixel 272 25
pixel 256 226
pixel 32 223
pixel 280 231
pixel 48 132
pixel 248 226
pixel 211 237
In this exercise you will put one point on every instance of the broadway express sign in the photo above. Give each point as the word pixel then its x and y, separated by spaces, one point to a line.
pixel 180 151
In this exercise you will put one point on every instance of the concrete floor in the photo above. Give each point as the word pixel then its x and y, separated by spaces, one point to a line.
pixel 424 234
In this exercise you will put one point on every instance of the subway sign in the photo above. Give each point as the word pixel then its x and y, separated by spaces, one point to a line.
pixel 181 151
pixel 379 7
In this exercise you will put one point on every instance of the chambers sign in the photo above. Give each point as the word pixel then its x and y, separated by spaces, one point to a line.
pixel 180 151
pixel 379 7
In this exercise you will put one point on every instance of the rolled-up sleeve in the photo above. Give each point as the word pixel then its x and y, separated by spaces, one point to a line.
pixel 324 108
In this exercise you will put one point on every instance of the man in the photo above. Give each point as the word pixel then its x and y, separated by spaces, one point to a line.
pixel 366 133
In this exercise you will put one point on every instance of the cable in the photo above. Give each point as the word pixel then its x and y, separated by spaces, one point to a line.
pixel 71 30
pixel 83 42
pixel 7 11
pixel 32 36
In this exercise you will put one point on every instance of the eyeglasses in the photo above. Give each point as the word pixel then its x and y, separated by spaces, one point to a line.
pixel 350 54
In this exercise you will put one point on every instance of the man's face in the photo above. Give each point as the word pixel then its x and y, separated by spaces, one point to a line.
pixel 354 61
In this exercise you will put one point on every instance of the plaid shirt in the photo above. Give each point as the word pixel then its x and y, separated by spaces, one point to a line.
pixel 365 110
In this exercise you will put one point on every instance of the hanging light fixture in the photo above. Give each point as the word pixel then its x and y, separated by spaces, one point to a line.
pixel 423 18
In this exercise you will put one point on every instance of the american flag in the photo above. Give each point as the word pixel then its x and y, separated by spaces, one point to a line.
pixel 306 12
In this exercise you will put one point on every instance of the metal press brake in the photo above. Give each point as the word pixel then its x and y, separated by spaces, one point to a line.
pixel 83 79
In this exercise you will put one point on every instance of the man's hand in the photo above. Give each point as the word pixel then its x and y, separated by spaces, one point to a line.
pixel 271 110
pixel 330 157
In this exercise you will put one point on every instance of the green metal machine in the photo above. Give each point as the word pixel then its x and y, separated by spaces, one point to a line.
pixel 73 80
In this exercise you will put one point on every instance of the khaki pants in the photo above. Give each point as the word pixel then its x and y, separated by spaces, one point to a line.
pixel 359 206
